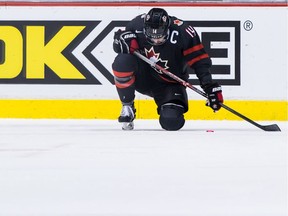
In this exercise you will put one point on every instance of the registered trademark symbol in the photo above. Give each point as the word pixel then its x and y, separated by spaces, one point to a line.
pixel 248 25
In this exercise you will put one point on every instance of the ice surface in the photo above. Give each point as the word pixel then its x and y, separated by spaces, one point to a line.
pixel 93 168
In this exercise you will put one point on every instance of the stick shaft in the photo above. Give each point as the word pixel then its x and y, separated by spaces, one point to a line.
pixel 188 85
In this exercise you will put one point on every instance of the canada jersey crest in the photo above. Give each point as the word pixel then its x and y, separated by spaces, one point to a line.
pixel 155 57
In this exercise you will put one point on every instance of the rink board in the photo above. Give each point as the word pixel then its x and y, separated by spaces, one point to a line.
pixel 146 109
pixel 54 65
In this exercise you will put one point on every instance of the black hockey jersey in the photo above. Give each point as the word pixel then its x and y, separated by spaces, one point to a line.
pixel 183 48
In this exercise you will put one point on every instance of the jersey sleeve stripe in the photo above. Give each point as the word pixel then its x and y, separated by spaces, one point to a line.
pixel 198 58
pixel 192 49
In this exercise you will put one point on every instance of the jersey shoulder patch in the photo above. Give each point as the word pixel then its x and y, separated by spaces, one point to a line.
pixel 178 22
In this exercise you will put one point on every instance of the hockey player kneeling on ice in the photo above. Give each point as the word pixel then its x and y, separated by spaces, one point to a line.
pixel 172 44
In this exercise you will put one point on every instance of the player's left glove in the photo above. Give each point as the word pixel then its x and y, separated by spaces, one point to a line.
pixel 125 42
pixel 215 97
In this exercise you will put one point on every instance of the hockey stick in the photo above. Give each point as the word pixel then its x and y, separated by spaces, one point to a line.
pixel 273 127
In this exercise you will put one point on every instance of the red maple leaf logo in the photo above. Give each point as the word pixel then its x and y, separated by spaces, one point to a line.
pixel 178 22
pixel 155 57
pixel 151 53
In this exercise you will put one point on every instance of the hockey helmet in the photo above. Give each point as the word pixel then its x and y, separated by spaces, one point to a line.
pixel 156 26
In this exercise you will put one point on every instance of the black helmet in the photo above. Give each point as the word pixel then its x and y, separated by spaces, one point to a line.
pixel 156 26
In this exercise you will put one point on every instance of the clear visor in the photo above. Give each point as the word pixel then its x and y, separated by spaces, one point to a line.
pixel 156 36
pixel 155 32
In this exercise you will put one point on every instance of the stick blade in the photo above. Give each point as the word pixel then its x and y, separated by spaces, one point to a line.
pixel 273 127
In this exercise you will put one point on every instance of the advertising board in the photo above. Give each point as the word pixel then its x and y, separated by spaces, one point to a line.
pixel 48 53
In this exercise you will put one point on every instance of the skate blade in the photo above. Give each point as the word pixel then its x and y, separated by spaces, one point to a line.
pixel 127 126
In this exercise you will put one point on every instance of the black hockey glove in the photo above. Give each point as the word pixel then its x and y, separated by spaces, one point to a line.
pixel 215 97
pixel 125 42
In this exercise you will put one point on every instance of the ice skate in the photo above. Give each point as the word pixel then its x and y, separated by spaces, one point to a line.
pixel 127 116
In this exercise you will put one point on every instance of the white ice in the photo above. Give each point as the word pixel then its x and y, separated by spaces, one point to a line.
pixel 93 168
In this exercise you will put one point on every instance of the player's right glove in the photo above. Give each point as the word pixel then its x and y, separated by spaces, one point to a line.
pixel 125 42
pixel 215 97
